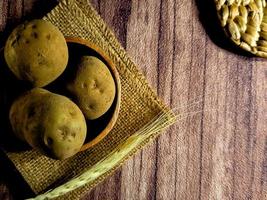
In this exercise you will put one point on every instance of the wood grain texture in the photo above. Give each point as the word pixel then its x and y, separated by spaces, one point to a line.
pixel 220 153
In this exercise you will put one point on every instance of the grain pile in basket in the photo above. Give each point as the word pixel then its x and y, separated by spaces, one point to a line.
pixel 245 22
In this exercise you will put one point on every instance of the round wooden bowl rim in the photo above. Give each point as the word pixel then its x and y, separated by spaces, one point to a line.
pixel 115 73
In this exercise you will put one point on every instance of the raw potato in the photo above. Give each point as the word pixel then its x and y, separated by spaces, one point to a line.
pixel 49 122
pixel 93 87
pixel 36 51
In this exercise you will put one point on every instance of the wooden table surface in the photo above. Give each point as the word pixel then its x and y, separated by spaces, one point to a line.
pixel 218 153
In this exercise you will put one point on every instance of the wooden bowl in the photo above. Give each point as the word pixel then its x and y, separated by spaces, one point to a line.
pixel 102 126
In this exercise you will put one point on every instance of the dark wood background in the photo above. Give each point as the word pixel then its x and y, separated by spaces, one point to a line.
pixel 220 153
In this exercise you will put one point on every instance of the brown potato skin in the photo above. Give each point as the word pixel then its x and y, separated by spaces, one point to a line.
pixel 49 122
pixel 93 87
pixel 36 51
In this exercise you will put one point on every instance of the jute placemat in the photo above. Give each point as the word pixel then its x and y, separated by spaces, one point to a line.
pixel 245 22
pixel 138 122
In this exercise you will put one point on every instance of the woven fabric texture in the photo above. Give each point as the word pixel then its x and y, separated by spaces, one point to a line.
pixel 139 104
pixel 245 22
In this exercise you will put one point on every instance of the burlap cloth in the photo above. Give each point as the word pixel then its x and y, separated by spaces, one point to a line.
pixel 139 104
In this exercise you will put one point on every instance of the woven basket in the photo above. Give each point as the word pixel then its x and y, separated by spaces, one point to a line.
pixel 245 22
pixel 142 116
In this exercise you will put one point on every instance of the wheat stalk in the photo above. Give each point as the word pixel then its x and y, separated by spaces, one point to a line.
pixel 115 158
